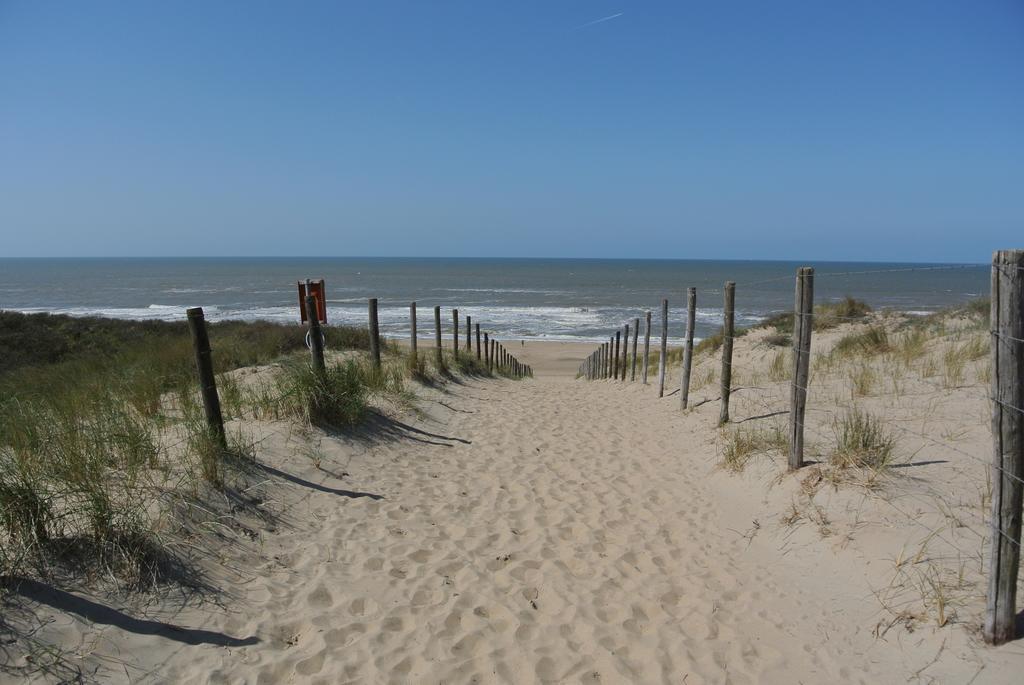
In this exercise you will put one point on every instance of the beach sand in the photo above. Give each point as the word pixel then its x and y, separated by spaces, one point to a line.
pixel 552 530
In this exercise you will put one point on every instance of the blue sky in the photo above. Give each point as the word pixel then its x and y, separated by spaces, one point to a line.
pixel 824 130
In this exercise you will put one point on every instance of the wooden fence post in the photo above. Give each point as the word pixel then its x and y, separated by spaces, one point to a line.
pixel 487 351
pixel 1007 324
pixel 728 331
pixel 647 345
pixel 663 357
pixel 615 357
pixel 204 367
pixel 803 325
pixel 374 333
pixel 412 326
pixel 316 337
pixel 469 335
pixel 691 322
pixel 478 352
pixel 625 352
pixel 455 333
pixel 437 337
pixel 636 337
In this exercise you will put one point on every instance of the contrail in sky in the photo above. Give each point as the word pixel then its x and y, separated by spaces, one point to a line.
pixel 602 19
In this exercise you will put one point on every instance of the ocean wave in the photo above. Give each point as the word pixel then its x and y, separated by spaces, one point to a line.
pixel 583 324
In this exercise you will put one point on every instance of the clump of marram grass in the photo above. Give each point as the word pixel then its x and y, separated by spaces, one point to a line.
pixel 826 315
pixel 779 368
pixel 777 340
pixel 956 357
pixel 713 342
pixel 873 340
pixel 467 364
pixel 832 314
pixel 862 442
pixel 702 379
pixel 911 346
pixel 742 444
pixel 25 511
pixel 862 378
pixel 333 398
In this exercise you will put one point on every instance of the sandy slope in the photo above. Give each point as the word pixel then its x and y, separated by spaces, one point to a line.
pixel 540 531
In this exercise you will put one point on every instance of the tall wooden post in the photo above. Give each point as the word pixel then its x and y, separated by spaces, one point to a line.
pixel 728 331
pixel 437 336
pixel 691 322
pixel 636 337
pixel 647 344
pixel 316 337
pixel 374 333
pixel 469 335
pixel 479 354
pixel 1007 314
pixel 615 357
pixel 455 333
pixel 204 368
pixel 487 351
pixel 803 325
pixel 626 352
pixel 663 357
pixel 412 329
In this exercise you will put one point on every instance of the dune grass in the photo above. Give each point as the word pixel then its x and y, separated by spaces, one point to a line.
pixel 99 411
pixel 862 441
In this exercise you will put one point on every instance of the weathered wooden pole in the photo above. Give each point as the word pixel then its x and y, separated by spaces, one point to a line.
pixel 691 322
pixel 469 335
pixel 626 347
pixel 374 333
pixel 728 331
pixel 803 325
pixel 611 355
pixel 455 333
pixel 437 336
pixel 663 355
pixel 479 354
pixel 647 345
pixel 316 337
pixel 615 356
pixel 1007 479
pixel 412 329
pixel 487 351
pixel 204 368
pixel 636 337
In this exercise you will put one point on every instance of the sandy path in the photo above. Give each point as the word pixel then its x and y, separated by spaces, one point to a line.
pixel 540 531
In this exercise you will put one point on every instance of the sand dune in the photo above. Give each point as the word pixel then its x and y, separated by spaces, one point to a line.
pixel 541 531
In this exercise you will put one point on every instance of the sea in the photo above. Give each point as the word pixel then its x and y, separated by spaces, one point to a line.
pixel 549 299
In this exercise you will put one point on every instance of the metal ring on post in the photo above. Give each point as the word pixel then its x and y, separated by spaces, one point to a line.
pixel 323 340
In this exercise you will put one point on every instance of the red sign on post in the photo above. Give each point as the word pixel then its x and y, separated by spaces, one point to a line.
pixel 316 289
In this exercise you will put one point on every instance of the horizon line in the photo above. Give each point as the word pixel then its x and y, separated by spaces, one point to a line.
pixel 593 259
